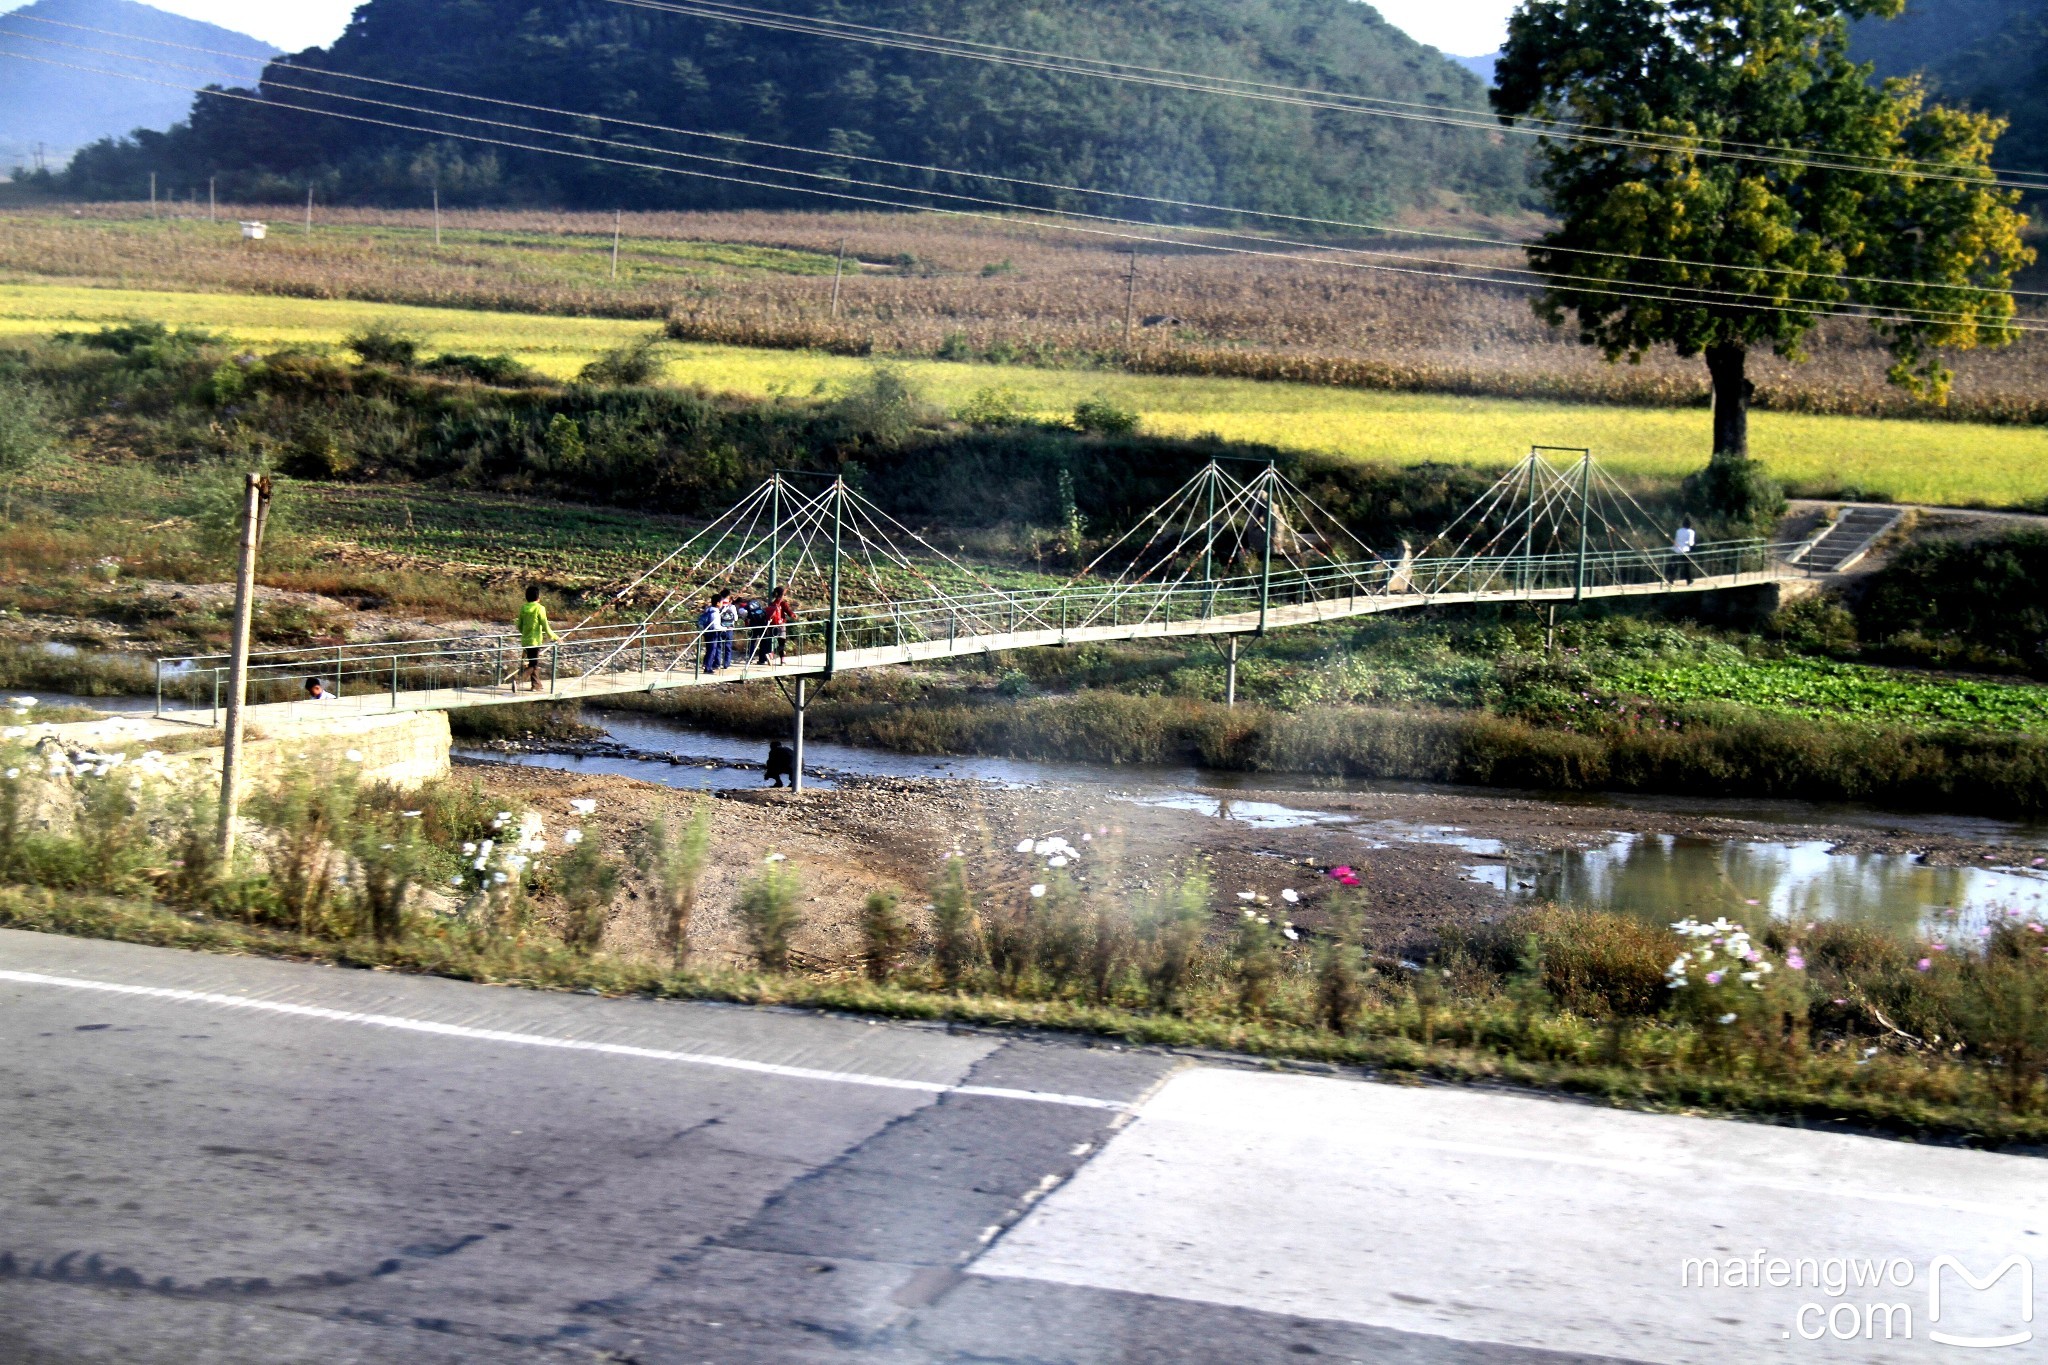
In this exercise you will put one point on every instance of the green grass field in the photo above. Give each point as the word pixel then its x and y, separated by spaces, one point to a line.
pixel 1933 462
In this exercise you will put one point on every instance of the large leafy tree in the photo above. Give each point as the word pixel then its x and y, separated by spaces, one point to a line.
pixel 1739 178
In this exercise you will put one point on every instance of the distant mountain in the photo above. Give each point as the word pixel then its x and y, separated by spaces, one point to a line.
pixel 63 108
pixel 1482 67
pixel 854 99
pixel 1987 54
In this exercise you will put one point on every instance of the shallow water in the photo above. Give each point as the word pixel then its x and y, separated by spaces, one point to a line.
pixel 1659 877
pixel 1667 877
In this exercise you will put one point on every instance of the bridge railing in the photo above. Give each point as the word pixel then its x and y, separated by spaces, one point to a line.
pixel 496 664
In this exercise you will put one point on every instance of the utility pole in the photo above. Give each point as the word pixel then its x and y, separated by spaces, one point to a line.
pixel 1131 300
pixel 799 706
pixel 309 210
pixel 1230 677
pixel 618 224
pixel 838 270
pixel 437 217
pixel 152 194
pixel 255 506
pixel 212 199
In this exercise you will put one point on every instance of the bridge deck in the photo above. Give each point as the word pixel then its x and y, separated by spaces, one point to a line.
pixel 611 684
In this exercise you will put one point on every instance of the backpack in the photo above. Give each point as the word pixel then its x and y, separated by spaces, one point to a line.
pixel 708 620
pixel 757 613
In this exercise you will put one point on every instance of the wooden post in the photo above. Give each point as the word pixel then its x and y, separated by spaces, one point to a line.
pixel 255 495
pixel 152 194
pixel 1131 300
pixel 618 223
pixel 212 200
pixel 1230 678
pixel 838 270
pixel 437 220
pixel 309 210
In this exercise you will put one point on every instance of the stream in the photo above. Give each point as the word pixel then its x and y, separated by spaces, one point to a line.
pixel 1661 877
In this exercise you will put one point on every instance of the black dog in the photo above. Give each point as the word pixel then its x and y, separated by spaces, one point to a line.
pixel 781 764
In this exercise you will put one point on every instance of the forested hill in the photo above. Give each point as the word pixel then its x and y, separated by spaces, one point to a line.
pixel 1987 54
pixel 54 90
pixel 636 62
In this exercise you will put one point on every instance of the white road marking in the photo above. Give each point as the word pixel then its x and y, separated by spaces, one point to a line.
pixel 1496 1218
pixel 485 1035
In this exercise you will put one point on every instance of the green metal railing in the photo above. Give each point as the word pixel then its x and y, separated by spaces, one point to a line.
pixel 458 670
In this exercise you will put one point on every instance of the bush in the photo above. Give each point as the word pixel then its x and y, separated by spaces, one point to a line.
pixel 500 370
pixel 997 406
pixel 1100 416
pixel 1736 495
pixel 384 344
pixel 27 437
pixel 674 862
pixel 629 366
pixel 1968 602
pixel 768 911
pixel 587 881
pixel 885 936
pixel 884 409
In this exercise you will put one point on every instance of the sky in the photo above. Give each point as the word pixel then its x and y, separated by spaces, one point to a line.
pixel 1464 28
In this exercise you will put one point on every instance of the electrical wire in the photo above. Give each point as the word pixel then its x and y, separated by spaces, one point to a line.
pixel 1471 119
pixel 1739 302
pixel 1197 205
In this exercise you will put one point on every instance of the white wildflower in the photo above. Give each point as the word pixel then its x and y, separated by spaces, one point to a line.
pixel 573 837
pixel 1247 895
pixel 1038 891
pixel 410 814
pixel 354 755
pixel 1291 896
pixel 584 807
pixel 500 878
pixel 1024 847
pixel 1726 1019
pixel 1056 862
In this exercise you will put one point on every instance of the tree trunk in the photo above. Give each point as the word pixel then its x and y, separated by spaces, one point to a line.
pixel 1732 391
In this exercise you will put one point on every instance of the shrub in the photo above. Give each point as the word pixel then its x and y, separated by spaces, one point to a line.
pixel 674 862
pixel 768 911
pixel 1340 969
pixel 883 409
pixel 587 881
pixel 996 406
pixel 1170 925
pixel 631 366
pixel 1738 495
pixel 389 858
pixel 958 947
pixel 885 936
pixel 27 435
pixel 502 371
pixel 2002 1008
pixel 384 344
pixel 1100 416
pixel 1969 602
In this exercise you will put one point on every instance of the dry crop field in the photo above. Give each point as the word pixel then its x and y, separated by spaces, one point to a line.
pixel 1014 290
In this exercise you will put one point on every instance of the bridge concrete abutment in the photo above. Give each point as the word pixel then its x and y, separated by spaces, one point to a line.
pixel 406 750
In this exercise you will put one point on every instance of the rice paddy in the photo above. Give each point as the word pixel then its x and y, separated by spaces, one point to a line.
pixel 1944 463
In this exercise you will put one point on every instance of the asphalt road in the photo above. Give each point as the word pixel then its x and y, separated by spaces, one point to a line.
pixel 207 1159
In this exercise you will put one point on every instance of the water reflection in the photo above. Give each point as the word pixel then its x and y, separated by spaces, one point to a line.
pixel 1668 877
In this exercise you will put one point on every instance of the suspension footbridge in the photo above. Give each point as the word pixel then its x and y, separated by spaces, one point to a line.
pixel 1225 556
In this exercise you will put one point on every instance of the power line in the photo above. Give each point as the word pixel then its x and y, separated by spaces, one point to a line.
pixel 1480 120
pixel 821 26
pixel 1168 78
pixel 873 200
pixel 1197 205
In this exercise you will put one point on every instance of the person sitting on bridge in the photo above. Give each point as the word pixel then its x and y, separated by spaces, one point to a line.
pixel 774 636
pixel 781 764
pixel 534 634
pixel 317 690
pixel 1681 550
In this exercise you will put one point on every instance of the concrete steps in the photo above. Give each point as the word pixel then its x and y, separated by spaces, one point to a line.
pixel 1844 544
